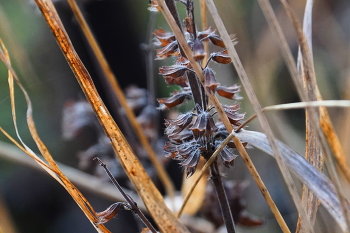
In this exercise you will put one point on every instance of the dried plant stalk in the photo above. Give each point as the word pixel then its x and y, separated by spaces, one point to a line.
pixel 121 97
pixel 313 151
pixel 186 49
pixel 136 173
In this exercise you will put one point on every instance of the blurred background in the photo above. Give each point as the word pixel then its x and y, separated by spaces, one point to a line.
pixel 34 202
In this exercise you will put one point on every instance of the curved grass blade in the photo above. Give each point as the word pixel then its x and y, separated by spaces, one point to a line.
pixel 52 168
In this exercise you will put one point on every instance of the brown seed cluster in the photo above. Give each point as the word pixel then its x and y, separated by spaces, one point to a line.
pixel 195 133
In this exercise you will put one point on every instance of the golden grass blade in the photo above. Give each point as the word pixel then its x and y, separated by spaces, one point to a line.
pixel 313 151
pixel 203 10
pixel 120 95
pixel 136 173
pixel 256 106
pixel 315 180
pixel 182 41
pixel 53 170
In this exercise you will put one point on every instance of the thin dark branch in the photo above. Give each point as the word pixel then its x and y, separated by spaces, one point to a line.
pixel 130 201
pixel 220 192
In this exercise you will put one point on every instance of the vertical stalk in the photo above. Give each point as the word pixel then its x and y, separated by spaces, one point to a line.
pixel 221 194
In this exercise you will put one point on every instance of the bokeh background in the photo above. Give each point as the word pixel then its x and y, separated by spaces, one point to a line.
pixel 36 203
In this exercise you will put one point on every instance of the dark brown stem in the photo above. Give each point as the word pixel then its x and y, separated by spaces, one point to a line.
pixel 221 194
pixel 130 201
pixel 197 91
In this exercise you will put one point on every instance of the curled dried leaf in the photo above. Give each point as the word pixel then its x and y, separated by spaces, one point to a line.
pixel 111 211
pixel 228 92
pixel 210 81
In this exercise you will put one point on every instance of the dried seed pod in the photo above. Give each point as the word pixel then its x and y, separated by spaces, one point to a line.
pixel 153 6
pixel 228 92
pixel 173 71
pixel 221 57
pixel 164 38
pixel 198 50
pixel 170 50
pixel 232 114
pixel 210 82
pixel 204 34
pixel 228 157
pixel 182 81
pixel 176 99
pixel 177 125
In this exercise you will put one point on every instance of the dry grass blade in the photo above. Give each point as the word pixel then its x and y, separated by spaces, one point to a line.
pixel 316 181
pixel 52 169
pixel 287 56
pixel 256 106
pixel 132 166
pixel 313 151
pixel 119 93
pixel 204 21
pixel 324 120
pixel 186 49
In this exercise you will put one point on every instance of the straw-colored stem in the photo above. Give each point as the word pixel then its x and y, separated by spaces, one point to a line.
pixel 119 93
pixel 188 52
pixel 151 197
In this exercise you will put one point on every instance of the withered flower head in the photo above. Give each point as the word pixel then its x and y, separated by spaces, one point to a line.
pixel 204 125
pixel 194 134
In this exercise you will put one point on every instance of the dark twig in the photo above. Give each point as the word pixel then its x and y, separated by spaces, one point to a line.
pixel 131 202
pixel 220 192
